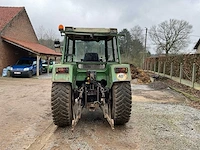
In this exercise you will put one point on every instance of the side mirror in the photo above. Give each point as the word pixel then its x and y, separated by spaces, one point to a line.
pixel 57 44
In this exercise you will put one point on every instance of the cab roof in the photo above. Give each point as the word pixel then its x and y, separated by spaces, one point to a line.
pixel 91 30
pixel 89 34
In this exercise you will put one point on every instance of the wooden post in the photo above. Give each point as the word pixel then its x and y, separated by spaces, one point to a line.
pixel 181 71
pixel 193 74
pixel 154 65
pixel 164 68
pixel 171 70
pixel 38 64
pixel 48 65
pixel 158 67
pixel 150 66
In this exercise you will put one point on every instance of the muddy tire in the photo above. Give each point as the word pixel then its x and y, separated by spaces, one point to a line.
pixel 121 102
pixel 61 96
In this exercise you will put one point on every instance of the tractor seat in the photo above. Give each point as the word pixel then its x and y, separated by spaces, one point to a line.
pixel 91 57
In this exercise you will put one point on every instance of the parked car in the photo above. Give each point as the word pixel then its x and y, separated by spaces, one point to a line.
pixel 26 66
pixel 45 65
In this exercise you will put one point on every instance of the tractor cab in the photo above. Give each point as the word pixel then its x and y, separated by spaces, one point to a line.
pixel 81 45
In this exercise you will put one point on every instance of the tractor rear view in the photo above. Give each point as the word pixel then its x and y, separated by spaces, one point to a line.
pixel 90 76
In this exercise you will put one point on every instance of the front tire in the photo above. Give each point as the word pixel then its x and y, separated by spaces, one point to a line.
pixel 30 74
pixel 61 103
pixel 121 102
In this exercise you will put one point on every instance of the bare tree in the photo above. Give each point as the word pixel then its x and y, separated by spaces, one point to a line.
pixel 40 31
pixel 46 37
pixel 171 36
pixel 137 33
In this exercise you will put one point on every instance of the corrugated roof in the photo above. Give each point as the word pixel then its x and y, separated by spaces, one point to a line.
pixel 32 47
pixel 7 14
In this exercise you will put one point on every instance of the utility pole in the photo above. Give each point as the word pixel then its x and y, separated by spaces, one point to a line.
pixel 145 45
pixel 145 42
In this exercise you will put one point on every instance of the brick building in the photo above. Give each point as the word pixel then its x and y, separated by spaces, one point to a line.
pixel 18 38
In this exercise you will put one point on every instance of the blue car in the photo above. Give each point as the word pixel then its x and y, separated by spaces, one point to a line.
pixel 25 67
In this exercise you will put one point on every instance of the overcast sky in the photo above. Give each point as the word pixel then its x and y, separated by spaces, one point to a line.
pixel 110 13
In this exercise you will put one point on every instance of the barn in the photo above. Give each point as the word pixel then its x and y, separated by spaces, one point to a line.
pixel 18 38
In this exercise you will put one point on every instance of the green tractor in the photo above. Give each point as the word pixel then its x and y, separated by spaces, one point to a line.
pixel 90 76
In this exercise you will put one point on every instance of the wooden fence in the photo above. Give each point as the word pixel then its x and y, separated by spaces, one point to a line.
pixel 184 67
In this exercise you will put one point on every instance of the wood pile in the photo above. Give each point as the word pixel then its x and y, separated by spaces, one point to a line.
pixel 139 74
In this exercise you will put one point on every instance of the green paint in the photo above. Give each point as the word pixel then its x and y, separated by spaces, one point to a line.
pixel 79 41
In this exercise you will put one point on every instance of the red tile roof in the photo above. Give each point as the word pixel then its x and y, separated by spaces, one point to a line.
pixel 7 14
pixel 33 47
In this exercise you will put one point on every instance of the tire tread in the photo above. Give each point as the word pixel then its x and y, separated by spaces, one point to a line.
pixel 61 104
pixel 122 104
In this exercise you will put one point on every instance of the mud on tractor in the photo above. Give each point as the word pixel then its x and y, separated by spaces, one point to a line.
pixel 90 76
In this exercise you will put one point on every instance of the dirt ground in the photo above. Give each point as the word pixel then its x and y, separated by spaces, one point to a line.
pixel 161 119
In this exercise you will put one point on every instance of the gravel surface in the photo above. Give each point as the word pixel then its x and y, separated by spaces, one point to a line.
pixel 166 119
pixel 161 119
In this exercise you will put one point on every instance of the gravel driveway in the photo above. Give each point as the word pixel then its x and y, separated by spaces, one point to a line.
pixel 161 119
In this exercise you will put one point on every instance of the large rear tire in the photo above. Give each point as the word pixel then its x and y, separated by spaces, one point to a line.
pixel 121 102
pixel 61 102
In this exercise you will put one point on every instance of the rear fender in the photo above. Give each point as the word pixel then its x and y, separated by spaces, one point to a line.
pixel 119 76
pixel 66 76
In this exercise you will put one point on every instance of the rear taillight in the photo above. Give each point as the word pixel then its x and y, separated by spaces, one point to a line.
pixel 121 70
pixel 62 70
